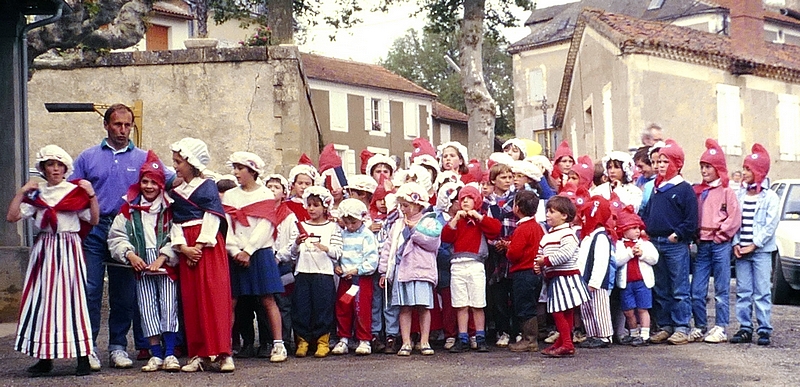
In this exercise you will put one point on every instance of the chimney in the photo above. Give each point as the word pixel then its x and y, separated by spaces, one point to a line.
pixel 747 28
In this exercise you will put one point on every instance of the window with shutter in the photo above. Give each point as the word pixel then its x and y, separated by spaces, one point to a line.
pixel 729 119
pixel 789 126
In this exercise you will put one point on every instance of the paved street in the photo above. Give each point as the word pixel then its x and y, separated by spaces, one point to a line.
pixel 693 364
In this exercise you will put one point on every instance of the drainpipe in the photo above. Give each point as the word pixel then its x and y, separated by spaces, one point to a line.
pixel 24 152
pixel 790 13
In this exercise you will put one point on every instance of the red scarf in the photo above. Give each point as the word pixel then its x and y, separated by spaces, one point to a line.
pixel 76 200
pixel 269 209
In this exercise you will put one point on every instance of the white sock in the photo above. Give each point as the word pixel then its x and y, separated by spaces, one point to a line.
pixel 635 332
pixel 344 340
pixel 645 333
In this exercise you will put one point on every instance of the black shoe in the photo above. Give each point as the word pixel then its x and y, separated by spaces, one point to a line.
pixel 377 344
pixel 594 343
pixel 482 347
pixel 742 336
pixel 763 338
pixel 83 368
pixel 264 351
pixel 246 352
pixel 42 366
pixel 636 342
pixel 459 347
pixel 627 340
pixel 391 346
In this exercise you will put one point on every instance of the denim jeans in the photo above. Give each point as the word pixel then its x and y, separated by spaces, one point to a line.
pixel 121 292
pixel 753 281
pixel 712 259
pixel 671 291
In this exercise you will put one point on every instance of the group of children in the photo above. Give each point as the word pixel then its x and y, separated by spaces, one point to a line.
pixel 381 259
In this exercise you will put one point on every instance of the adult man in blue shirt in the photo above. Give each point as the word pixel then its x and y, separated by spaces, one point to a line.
pixel 111 167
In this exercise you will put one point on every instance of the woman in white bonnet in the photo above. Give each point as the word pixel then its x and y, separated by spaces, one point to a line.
pixel 54 318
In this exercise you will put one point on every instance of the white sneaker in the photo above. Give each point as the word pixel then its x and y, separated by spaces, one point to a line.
pixel 552 337
pixel 278 353
pixel 449 343
pixel 94 362
pixel 503 340
pixel 364 348
pixel 171 364
pixel 154 364
pixel 716 335
pixel 473 342
pixel 340 348
pixel 226 364
pixel 120 359
pixel 194 365
pixel 696 335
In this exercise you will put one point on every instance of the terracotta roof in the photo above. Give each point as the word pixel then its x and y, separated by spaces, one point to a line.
pixel 443 112
pixel 636 36
pixel 176 8
pixel 358 74
pixel 767 13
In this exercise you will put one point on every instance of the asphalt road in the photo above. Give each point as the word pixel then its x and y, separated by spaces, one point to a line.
pixel 694 364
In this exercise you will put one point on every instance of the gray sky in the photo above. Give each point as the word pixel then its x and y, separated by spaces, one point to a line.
pixel 372 39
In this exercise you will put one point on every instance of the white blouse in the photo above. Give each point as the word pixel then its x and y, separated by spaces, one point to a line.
pixel 52 195
pixel 258 235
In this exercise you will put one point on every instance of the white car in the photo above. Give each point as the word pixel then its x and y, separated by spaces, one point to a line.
pixel 786 262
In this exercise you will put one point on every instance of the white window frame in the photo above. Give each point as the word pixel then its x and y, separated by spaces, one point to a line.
pixel 729 119
pixel 536 81
pixel 444 133
pixel 407 159
pixel 375 114
pixel 383 116
pixel 789 126
pixel 410 120
pixel 348 158
pixel 378 151
pixel 337 102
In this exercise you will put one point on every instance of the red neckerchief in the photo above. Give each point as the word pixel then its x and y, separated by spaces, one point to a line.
pixel 75 200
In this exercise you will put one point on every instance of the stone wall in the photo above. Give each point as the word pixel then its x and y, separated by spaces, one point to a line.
pixel 242 99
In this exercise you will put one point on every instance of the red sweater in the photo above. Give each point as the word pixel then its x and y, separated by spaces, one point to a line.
pixel 469 237
pixel 524 245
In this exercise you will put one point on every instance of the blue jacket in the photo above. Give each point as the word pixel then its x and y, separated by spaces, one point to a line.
pixel 765 221
pixel 672 209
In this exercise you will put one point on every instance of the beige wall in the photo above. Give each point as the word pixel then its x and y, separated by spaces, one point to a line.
pixel 550 60
pixel 681 97
pixel 233 99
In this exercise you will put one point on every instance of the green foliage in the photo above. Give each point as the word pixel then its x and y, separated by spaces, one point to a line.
pixel 421 60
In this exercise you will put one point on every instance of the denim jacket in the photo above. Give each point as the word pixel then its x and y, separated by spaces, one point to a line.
pixel 765 221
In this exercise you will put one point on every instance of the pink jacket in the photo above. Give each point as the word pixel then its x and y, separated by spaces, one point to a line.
pixel 720 215
pixel 418 258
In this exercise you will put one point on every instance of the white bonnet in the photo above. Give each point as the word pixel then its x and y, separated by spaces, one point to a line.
pixel 624 158
pixel 462 150
pixel 303 169
pixel 500 158
pixel 447 192
pixel 250 160
pixel 54 152
pixel 427 160
pixel 362 183
pixel 322 193
pixel 542 162
pixel 423 177
pixel 354 208
pixel 414 192
pixel 527 169
pixel 194 151
pixel 380 159
pixel 284 182
pixel 523 149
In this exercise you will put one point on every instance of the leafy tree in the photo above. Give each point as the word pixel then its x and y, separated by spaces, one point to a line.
pixel 419 57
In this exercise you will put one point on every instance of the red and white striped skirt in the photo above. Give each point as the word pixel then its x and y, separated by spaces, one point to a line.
pixel 53 318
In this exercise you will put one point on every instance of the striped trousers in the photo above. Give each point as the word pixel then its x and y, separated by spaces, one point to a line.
pixel 158 301
pixel 596 314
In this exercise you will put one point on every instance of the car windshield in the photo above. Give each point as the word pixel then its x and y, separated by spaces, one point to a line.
pixel 791 207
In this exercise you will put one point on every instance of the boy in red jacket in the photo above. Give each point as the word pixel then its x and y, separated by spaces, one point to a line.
pixel 468 232
pixel 525 284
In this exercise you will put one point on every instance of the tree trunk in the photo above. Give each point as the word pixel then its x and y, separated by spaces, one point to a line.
pixel 201 13
pixel 279 21
pixel 480 104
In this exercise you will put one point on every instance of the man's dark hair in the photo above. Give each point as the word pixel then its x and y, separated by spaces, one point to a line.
pixel 225 184
pixel 527 202
pixel 115 108
pixel 563 205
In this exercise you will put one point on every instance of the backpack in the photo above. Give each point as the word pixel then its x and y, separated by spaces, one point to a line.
pixel 611 271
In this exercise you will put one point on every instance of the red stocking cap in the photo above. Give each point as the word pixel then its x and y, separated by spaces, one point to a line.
pixel 475 174
pixel 563 150
pixel 585 169
pixel 154 169
pixel 365 155
pixel 627 218
pixel 596 212
pixel 616 203
pixel 422 147
pixel 304 159
pixel 714 156
pixel 758 163
pixel 674 153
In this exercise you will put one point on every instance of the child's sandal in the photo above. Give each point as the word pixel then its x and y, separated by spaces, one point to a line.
pixel 405 350
pixel 426 350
